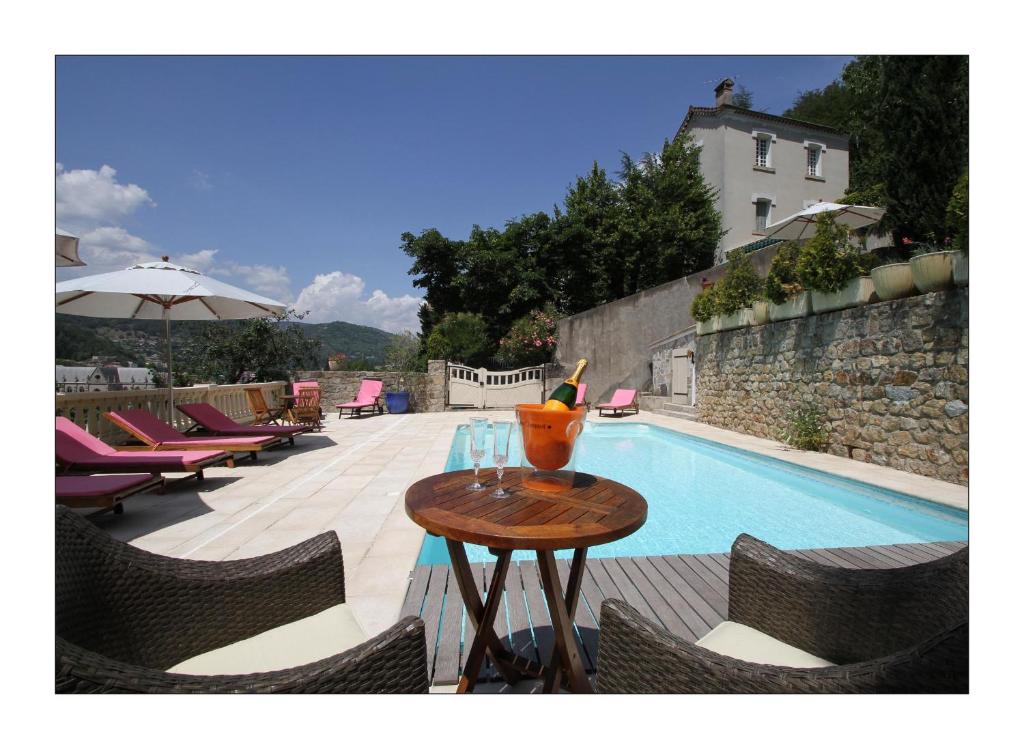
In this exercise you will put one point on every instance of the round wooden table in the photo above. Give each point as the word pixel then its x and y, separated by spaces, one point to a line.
pixel 594 511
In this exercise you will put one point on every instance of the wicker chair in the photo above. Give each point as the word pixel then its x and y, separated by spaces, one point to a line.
pixel 890 630
pixel 125 616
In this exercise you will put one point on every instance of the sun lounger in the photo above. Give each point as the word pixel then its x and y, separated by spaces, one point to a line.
pixel 77 451
pixel 104 492
pixel 215 421
pixel 621 402
pixel 367 397
pixel 581 396
pixel 148 429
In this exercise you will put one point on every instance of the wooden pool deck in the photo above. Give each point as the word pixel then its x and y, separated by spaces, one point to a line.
pixel 687 594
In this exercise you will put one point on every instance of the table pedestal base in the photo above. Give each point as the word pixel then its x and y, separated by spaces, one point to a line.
pixel 565 657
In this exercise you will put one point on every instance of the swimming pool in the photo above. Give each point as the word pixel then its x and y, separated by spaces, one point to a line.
pixel 702 494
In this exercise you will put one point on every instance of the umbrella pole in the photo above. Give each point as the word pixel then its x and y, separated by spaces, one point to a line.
pixel 170 368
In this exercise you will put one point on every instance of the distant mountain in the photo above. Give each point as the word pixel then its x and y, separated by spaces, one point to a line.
pixel 141 342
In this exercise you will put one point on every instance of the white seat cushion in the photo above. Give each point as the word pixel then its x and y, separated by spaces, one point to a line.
pixel 332 631
pixel 748 644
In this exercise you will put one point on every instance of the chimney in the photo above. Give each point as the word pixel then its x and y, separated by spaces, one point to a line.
pixel 723 92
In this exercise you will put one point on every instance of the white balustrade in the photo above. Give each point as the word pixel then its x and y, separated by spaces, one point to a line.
pixel 86 409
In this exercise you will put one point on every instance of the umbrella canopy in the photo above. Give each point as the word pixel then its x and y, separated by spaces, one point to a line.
pixel 802 225
pixel 161 291
pixel 67 250
pixel 158 291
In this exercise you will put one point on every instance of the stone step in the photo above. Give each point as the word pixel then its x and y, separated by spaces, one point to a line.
pixel 678 408
pixel 688 413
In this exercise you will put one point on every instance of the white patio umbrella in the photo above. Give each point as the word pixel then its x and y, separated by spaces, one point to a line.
pixel 67 250
pixel 155 291
pixel 802 225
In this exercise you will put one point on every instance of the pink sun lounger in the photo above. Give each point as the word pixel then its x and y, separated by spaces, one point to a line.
pixel 77 451
pixel 581 396
pixel 367 397
pixel 215 421
pixel 104 492
pixel 621 402
pixel 148 429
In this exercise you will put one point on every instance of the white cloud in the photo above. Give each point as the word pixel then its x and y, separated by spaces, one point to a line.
pixel 86 197
pixel 268 280
pixel 200 181
pixel 339 296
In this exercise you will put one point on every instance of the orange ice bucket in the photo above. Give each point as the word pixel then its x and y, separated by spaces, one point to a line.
pixel 549 441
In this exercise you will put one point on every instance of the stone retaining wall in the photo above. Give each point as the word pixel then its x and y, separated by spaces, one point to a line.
pixel 891 378
pixel 427 389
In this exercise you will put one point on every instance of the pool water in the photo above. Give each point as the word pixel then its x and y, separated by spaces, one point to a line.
pixel 701 495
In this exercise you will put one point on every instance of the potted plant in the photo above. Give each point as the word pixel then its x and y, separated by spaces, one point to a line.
pixel 786 297
pixel 702 308
pixel 397 398
pixel 336 362
pixel 931 267
pixel 892 278
pixel 956 222
pixel 739 288
pixel 829 265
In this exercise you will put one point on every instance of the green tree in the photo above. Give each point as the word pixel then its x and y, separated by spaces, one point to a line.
pixel 740 285
pixel 266 346
pixel 743 97
pixel 461 337
pixel 403 353
pixel 438 264
pixel 956 215
pixel 828 259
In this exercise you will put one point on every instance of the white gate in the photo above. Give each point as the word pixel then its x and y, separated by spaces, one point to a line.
pixel 481 388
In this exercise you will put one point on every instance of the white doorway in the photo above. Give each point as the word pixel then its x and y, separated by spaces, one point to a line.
pixel 682 377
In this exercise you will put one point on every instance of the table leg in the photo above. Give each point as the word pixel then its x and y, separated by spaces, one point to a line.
pixel 482 618
pixel 553 678
pixel 565 641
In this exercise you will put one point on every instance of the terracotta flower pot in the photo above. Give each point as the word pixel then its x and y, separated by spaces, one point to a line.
pixel 796 306
pixel 933 271
pixel 893 281
pixel 960 269
pixel 857 292
pixel 761 312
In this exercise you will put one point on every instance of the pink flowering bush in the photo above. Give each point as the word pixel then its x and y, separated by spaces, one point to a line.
pixel 531 340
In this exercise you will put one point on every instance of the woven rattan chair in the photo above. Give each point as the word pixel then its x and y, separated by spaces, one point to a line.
pixel 889 630
pixel 125 616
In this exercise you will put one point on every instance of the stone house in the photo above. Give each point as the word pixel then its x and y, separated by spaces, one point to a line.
pixel 765 167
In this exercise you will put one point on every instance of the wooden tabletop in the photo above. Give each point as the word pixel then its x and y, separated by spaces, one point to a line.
pixel 594 511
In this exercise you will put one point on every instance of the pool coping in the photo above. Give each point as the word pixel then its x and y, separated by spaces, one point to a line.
pixel 883 477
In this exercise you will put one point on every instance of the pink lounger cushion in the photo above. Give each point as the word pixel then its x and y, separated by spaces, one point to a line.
pixel 212 419
pixel 76 447
pixel 100 486
pixel 369 391
pixel 620 399
pixel 581 394
pixel 156 431
pixel 305 385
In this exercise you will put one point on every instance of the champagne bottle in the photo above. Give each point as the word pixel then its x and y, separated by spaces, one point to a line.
pixel 564 396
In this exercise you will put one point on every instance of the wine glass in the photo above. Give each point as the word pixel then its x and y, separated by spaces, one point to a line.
pixel 502 433
pixel 477 448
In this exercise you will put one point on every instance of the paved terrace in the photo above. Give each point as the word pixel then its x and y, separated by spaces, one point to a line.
pixel 351 478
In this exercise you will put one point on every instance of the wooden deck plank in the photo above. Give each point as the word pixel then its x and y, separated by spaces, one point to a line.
pixel 481 578
pixel 591 596
pixel 520 634
pixel 854 562
pixel 867 559
pixel 630 593
pixel 900 560
pixel 413 604
pixel 543 633
pixel 912 550
pixel 654 583
pixel 448 662
pixel 695 593
pixel 432 604
pixel 583 621
pixel 715 590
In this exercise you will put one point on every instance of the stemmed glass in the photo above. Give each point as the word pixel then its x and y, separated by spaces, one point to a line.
pixel 502 433
pixel 477 448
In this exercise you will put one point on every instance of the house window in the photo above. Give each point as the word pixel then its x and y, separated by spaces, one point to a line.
pixel 813 160
pixel 762 211
pixel 762 150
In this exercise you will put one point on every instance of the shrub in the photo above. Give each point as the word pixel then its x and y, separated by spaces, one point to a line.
pixel 531 340
pixel 460 337
pixel 828 259
pixel 806 428
pixel 781 282
pixel 740 285
pixel 704 306
pixel 956 215
pixel 403 353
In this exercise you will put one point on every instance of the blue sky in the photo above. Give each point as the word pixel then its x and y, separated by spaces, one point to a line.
pixel 296 176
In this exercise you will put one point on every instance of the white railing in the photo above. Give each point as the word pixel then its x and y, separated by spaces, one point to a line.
pixel 86 409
